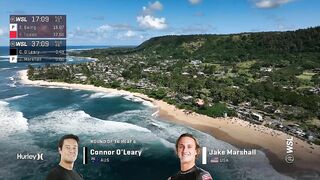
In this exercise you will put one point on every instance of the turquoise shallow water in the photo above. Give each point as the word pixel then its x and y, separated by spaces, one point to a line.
pixel 32 119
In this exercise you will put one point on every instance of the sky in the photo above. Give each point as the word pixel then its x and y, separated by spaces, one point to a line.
pixel 130 22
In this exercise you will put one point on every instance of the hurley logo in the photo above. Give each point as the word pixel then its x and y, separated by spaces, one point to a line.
pixel 28 156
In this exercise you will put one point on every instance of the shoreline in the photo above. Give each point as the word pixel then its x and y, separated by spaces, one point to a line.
pixel 241 142
pixel 234 131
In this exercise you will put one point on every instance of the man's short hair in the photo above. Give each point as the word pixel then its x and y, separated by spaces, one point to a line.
pixel 198 148
pixel 68 136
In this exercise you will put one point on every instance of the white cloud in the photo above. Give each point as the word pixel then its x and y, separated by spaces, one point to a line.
pixel 152 7
pixel 266 4
pixel 151 22
pixel 130 34
pixel 194 2
pixel 106 34
pixel 122 26
pixel 147 20
pixel 104 28
pixel 156 6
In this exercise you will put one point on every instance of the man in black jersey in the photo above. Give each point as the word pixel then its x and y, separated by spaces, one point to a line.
pixel 188 149
pixel 68 150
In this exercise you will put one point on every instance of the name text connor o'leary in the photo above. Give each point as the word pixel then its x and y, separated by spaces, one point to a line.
pixel 118 152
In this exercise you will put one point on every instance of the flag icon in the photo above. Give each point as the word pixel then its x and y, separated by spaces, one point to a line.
pixel 13 30
pixel 95 160
pixel 13 59
pixel 13 52
pixel 13 55
pixel 214 160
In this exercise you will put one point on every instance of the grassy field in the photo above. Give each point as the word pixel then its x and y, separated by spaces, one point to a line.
pixel 306 76
pixel 246 64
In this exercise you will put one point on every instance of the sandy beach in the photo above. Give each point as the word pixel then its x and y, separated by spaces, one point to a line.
pixel 235 131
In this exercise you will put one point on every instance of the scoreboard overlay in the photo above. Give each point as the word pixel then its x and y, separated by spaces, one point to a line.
pixel 37 38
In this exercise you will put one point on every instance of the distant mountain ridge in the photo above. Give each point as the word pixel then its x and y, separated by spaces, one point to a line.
pixel 242 45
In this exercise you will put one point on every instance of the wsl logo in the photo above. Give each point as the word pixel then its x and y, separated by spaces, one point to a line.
pixel 289 144
pixel 36 157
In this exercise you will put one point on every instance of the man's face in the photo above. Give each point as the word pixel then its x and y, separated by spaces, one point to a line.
pixel 186 150
pixel 69 151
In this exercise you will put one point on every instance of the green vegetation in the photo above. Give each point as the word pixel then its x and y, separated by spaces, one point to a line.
pixel 276 73
pixel 217 110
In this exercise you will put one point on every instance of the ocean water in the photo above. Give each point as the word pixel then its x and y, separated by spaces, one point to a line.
pixel 32 119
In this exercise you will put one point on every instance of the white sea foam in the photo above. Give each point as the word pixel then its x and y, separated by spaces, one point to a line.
pixel 56 87
pixel 11 78
pixel 77 121
pixel 132 98
pixel 11 121
pixel 13 84
pixel 155 114
pixel 84 95
pixel 148 103
pixel 140 100
pixel 127 116
pixel 3 69
pixel 103 95
pixel 53 87
pixel 16 97
pixel 166 143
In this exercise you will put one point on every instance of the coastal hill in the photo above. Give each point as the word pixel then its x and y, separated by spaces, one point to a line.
pixel 269 78
pixel 238 46
pixel 231 47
